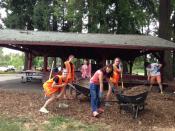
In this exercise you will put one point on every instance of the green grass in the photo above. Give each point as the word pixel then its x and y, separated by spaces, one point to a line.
pixel 8 72
pixel 138 71
pixel 69 124
pixel 59 123
pixel 10 125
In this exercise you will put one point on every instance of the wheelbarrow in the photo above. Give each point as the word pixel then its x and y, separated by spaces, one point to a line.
pixel 80 89
pixel 83 88
pixel 133 104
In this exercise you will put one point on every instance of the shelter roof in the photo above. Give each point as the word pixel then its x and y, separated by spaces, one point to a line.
pixel 57 44
pixel 84 40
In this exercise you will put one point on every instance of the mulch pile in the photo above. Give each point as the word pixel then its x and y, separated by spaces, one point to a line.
pixel 159 113
pixel 135 90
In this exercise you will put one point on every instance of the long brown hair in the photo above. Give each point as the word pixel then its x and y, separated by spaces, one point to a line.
pixel 106 74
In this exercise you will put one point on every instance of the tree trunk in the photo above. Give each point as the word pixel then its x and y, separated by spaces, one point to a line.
pixel 164 32
pixel 174 64
pixel 54 22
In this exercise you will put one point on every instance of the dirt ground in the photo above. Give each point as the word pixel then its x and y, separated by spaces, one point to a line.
pixel 159 113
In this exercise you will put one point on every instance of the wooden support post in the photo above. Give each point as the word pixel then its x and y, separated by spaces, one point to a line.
pixel 45 63
pixel 30 61
pixel 26 61
pixel 130 67
pixel 145 60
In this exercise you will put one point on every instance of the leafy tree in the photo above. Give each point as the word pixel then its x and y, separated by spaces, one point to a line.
pixel 19 13
pixel 120 16
pixel 38 62
pixel 75 12
pixel 1 52
pixel 41 15
pixel 16 60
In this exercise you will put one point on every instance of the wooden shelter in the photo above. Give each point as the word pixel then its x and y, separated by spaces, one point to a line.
pixel 100 47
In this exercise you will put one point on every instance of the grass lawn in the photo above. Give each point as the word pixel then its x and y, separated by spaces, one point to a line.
pixel 138 71
pixel 8 124
pixel 8 72
pixel 53 124
pixel 69 124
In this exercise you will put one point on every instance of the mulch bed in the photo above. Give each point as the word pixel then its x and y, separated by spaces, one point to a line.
pixel 159 112
pixel 135 90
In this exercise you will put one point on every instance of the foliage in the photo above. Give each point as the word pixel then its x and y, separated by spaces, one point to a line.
pixel 38 62
pixel 119 16
pixel 9 125
pixel 19 13
pixel 41 14
pixel 66 124
pixel 138 66
pixel 16 60
pixel 75 14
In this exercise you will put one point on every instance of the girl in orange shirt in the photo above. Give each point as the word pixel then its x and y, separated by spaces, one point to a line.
pixel 70 74
pixel 114 79
pixel 54 89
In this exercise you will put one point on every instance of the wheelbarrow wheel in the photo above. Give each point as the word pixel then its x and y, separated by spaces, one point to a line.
pixel 141 107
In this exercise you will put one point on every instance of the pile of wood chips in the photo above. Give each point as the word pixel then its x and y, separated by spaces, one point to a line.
pixel 135 90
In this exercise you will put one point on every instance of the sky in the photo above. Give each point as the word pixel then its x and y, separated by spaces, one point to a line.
pixel 2 14
pixel 7 51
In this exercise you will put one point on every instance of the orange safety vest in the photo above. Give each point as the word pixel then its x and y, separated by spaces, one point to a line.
pixel 116 76
pixel 71 73
pixel 48 89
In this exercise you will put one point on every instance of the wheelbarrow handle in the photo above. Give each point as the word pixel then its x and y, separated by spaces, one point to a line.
pixel 73 87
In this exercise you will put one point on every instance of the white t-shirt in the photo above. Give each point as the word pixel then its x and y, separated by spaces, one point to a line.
pixel 153 69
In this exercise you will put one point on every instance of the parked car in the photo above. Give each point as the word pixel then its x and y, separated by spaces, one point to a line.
pixel 3 68
pixel 10 68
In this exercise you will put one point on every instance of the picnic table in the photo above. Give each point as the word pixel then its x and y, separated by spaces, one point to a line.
pixel 30 75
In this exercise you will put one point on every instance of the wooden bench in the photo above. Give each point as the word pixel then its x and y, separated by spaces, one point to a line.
pixel 134 80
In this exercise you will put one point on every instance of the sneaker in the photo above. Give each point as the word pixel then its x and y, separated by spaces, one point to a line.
pixel 44 110
pixel 63 105
pixel 95 114
pixel 107 104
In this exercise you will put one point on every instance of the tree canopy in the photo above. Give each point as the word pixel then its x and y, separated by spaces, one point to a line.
pixel 101 16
